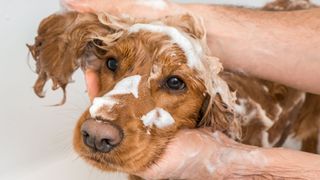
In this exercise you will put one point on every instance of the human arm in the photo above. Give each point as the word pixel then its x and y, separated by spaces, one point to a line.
pixel 278 46
pixel 198 154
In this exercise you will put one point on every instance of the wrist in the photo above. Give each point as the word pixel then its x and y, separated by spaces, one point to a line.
pixel 213 155
pixel 277 163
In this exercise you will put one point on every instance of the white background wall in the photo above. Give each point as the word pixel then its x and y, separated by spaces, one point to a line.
pixel 35 140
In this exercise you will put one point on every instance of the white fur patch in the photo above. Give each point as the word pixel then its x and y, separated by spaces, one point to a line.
pixel 155 4
pixel 192 50
pixel 257 111
pixel 128 85
pixel 264 118
pixel 158 117
pixel 279 111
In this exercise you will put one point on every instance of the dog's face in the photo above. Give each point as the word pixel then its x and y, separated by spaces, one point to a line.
pixel 148 92
pixel 156 78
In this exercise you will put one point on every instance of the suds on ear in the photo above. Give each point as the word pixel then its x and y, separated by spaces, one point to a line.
pixel 220 117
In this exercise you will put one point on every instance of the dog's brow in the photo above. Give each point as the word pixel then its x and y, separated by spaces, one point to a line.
pixel 192 49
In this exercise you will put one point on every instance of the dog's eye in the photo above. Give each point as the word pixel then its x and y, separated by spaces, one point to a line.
pixel 175 83
pixel 112 64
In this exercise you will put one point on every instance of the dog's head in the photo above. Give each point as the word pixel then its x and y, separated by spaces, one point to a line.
pixel 156 77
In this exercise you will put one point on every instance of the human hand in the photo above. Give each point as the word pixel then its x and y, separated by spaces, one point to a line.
pixel 133 8
pixel 197 154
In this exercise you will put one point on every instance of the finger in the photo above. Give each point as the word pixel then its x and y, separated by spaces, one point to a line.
pixel 92 82
pixel 77 5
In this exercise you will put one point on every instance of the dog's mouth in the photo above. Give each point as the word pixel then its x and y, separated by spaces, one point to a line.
pixel 100 160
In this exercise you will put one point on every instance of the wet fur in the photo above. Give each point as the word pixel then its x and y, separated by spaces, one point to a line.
pixel 71 40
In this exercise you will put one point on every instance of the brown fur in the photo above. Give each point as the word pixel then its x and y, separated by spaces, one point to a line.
pixel 268 112
pixel 61 41
pixel 288 5
pixel 111 40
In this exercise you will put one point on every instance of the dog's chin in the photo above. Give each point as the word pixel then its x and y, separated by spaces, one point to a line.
pixel 101 162
pixel 115 161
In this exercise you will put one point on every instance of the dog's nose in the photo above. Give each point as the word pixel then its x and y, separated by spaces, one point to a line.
pixel 100 135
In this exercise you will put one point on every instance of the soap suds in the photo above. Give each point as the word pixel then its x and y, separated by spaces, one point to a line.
pixel 192 50
pixel 253 157
pixel 99 102
pixel 158 117
pixel 241 107
pixel 210 167
pixel 128 85
pixel 154 74
pixel 229 156
pixel 292 143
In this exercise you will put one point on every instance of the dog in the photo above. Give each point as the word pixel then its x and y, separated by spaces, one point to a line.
pixel 158 76
pixel 288 5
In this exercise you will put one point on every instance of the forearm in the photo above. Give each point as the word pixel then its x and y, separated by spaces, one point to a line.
pixel 282 46
pixel 237 161
pixel 278 164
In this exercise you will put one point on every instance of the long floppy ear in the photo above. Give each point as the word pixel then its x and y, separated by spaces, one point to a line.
pixel 217 110
pixel 63 44
pixel 220 116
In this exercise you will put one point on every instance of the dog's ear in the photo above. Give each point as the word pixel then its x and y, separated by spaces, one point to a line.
pixel 63 42
pixel 114 22
pixel 218 110
pixel 188 23
pixel 219 116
